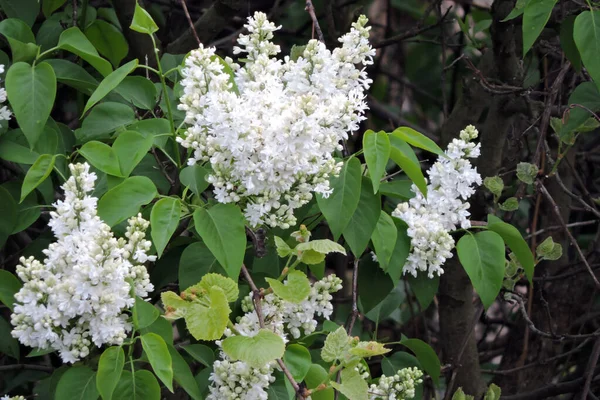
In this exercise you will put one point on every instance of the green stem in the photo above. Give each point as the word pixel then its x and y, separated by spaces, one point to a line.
pixel 168 103
pixel 149 68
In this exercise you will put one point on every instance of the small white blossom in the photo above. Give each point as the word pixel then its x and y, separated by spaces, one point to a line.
pixel 5 113
pixel 270 130
pixel 79 295
pixel 431 218
pixel 398 387
pixel 7 397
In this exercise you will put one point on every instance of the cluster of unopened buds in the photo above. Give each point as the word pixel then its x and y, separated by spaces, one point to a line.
pixel 431 218
pixel 401 386
pixel 269 127
pixel 5 113
pixel 81 293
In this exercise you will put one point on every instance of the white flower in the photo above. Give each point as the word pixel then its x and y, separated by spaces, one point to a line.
pixel 5 113
pixel 7 397
pixel 79 295
pixel 398 387
pixel 270 130
pixel 430 219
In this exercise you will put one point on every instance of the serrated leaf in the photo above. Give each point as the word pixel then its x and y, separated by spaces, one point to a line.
pixel 377 149
pixel 295 289
pixel 109 372
pixel 369 349
pixel 549 250
pixel 482 256
pixel 510 204
pixel 283 249
pixel 337 345
pixel 257 350
pixel 158 354
pixel 527 172
pixel 323 246
pixel 353 386
pixel 460 395
pixel 493 392
pixel 229 287
pixel 311 257
pixel 494 184
pixel 209 323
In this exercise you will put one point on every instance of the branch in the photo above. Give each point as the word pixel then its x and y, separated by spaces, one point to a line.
pixel 34 367
pixel 311 11
pixel 551 390
pixel 354 313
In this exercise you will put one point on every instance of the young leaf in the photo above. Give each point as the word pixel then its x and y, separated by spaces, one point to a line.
pixel 109 372
pixel 164 219
pixel 406 159
pixel 141 386
pixel 369 349
pixel 384 239
pixel 482 256
pixel 353 386
pixel 159 357
pixel 494 184
pixel 283 249
pixel 493 392
pixel 31 91
pixel 125 199
pixel 37 174
pixel 142 21
pixel 586 34
pixel 183 375
pixel 337 345
pixel 549 250
pixel 295 289
pixel 364 220
pixel 101 156
pixel 535 16
pixel 323 246
pixel 77 383
pixel 74 41
pixel 377 153
pixel 144 314
pixel 341 204
pixel 109 83
pixel 460 395
pixel 229 286
pixel 417 139
pixel 221 227
pixel 209 323
pixel 527 172
pixel 130 147
pixel 257 350
pixel 515 242
pixel 426 356
pixel 510 204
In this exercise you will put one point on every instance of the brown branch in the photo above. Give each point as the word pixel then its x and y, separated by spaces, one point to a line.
pixel 256 299
pixel 550 390
pixel 190 22
pixel 589 371
pixel 34 367
pixel 556 210
pixel 311 11
pixel 354 313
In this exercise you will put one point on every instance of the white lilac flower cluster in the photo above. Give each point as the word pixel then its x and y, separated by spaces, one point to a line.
pixel 269 129
pixel 236 380
pixel 398 387
pixel 5 113
pixel 431 218
pixel 81 292
pixel 7 397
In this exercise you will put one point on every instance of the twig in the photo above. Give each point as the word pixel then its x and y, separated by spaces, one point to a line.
pixel 555 227
pixel 75 13
pixel 189 19
pixel 35 367
pixel 354 313
pixel 551 390
pixel 589 371
pixel 443 74
pixel 256 299
pixel 575 197
pixel 556 210
pixel 311 11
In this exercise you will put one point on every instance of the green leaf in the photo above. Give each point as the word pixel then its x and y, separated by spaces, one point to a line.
pixel 48 33
pixel 424 288
pixel 31 91
pixel 37 174
pixel 311 257
pixel 74 41
pixel 315 376
pixel 164 219
pixel 482 256
pixel 8 344
pixel 109 372
pixel 8 210
pixel 110 82
pixel 144 314
pixel 400 188
pixel 353 386
pixel 26 10
pixel 158 354
pixel 196 261
pixel 193 176
pixel 460 395
pixel 108 40
pixel 586 34
pixel 377 153
pixel 142 21
pixel 49 6
pixel 494 184
pixel 201 353
pixel 283 249
pixel 139 91
pixel 587 95
pixel 183 375
pixel 161 327
pixel 221 227
pixel 510 204
pixel 295 289
pixel 12 149
pixel 297 359
pixel 527 172
pixel 16 29
pixel 373 284
pixel 77 383
pixel 229 286
pixel 549 250
pixel 141 386
pixel 426 356
pixel 417 139
pixel 257 350
pixel 515 242
pixel 364 220
pixel 101 156
pixel 369 349
pixel 209 323
pixel 323 246
pixel 517 11
pixel 535 16
pixel 73 75
pixel 130 148
pixel 384 239
pixel 125 199
pixel 567 42
pixel 341 204
pixel 337 345
pixel 104 119
pixel 406 159
pixel 493 392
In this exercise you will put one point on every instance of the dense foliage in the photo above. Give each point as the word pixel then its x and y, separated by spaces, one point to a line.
pixel 277 200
